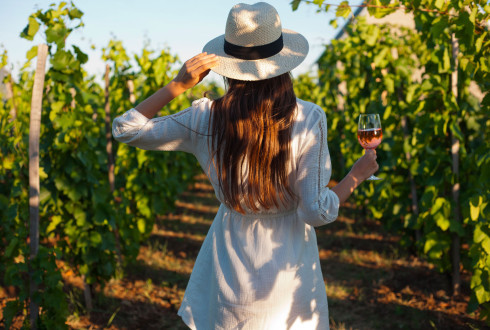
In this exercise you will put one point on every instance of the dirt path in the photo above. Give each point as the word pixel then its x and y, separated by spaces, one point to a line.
pixel 370 283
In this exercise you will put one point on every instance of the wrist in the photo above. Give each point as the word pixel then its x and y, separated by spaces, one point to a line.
pixel 354 179
pixel 175 88
pixel 346 187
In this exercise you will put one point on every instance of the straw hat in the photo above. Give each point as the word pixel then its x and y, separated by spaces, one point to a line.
pixel 255 46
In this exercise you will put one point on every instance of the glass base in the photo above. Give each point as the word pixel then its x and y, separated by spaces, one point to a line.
pixel 373 178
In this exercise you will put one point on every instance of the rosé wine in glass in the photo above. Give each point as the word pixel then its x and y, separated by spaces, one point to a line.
pixel 369 133
pixel 370 138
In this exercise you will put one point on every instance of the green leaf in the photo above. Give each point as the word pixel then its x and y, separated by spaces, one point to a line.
pixel 430 242
pixel 479 41
pixel 475 203
pixel 442 221
pixel 61 184
pixel 427 85
pixel 84 269
pixel 438 4
pixel 485 243
pixel 411 92
pixel 387 113
pixel 57 34
pixel 12 309
pixel 295 4
pixel 343 10
pixel 80 215
pixel 446 60
pixel 465 31
pixel 63 60
pixel 42 175
pixel 31 29
pixel 454 127
pixel 61 5
pixel 31 53
pixel 81 56
pixel 482 294
pixel 55 221
pixel 479 235
pixel 44 195
pixel 439 25
pixel 380 58
pixel 390 84
pixel 474 11
pixel 406 146
pixel 381 8
pixel 95 238
pixel 13 244
pixel 333 23
pixel 439 202
pixel 463 63
pixel 372 37
pixel 141 226
pixel 75 13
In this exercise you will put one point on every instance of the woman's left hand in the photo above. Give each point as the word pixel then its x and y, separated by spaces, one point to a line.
pixel 194 70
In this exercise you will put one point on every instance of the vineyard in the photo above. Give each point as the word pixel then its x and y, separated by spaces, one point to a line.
pixel 90 218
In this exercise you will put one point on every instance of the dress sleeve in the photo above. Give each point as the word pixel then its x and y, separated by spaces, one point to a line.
pixel 170 133
pixel 318 205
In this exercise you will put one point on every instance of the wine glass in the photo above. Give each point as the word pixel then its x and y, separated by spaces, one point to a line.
pixel 369 133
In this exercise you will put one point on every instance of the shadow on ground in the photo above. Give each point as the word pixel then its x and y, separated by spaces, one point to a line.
pixel 371 283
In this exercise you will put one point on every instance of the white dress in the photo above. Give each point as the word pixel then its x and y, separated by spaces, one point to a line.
pixel 254 271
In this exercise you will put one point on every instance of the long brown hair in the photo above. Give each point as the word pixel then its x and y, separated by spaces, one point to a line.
pixel 251 129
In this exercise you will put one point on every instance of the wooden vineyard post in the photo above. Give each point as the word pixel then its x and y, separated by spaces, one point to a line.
pixel 73 93
pixel 87 294
pixel 110 157
pixel 455 244
pixel 132 98
pixel 34 133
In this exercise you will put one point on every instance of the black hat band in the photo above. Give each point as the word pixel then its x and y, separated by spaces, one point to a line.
pixel 256 52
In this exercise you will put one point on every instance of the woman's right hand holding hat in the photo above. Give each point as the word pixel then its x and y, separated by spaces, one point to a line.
pixel 193 71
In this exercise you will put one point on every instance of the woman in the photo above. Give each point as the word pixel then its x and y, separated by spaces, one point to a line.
pixel 265 153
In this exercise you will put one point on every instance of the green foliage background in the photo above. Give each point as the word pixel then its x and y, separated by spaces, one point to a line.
pixel 371 69
pixel 406 76
pixel 79 213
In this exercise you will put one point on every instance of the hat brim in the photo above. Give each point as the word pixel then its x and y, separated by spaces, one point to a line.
pixel 293 53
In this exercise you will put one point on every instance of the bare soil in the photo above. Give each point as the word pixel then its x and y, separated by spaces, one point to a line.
pixel 371 282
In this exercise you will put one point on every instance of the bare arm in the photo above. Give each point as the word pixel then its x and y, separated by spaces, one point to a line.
pixel 192 72
pixel 362 169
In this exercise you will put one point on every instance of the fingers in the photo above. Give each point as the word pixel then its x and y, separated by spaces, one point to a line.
pixel 195 69
pixel 369 163
pixel 198 57
pixel 202 62
pixel 371 153
pixel 207 63
pixel 192 61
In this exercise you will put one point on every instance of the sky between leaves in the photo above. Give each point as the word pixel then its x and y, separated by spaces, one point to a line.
pixel 184 26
